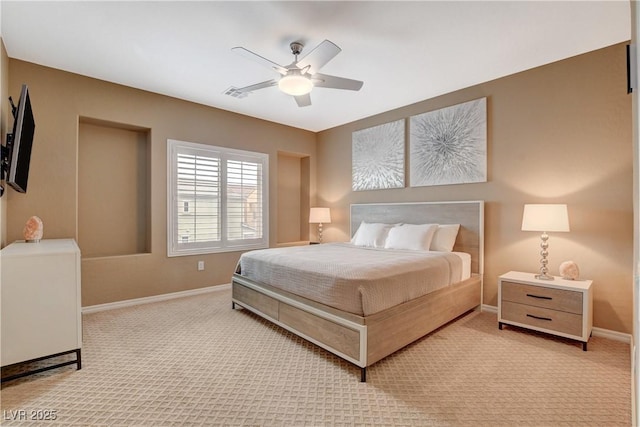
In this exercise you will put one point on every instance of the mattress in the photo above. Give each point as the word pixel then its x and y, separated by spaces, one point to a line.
pixel 355 279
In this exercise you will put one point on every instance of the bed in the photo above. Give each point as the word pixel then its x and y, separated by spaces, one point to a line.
pixel 375 319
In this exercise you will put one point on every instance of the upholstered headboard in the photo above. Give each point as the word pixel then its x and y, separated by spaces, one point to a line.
pixel 469 214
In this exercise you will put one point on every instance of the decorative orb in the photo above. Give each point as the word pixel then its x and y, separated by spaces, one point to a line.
pixel 33 229
pixel 569 270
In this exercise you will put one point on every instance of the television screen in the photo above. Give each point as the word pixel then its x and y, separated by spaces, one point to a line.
pixel 20 148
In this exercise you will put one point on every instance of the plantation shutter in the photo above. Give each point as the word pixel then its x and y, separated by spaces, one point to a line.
pixel 199 194
pixel 244 199
pixel 217 199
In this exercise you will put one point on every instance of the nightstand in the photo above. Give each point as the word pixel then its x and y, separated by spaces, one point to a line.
pixel 559 307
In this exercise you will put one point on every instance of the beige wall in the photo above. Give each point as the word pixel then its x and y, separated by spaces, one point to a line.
pixel 58 100
pixel 560 133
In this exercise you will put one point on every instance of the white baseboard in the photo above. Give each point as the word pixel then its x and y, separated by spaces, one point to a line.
pixel 597 332
pixel 613 335
pixel 156 298
pixel 489 309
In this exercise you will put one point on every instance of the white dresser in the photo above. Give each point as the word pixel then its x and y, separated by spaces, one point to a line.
pixel 41 304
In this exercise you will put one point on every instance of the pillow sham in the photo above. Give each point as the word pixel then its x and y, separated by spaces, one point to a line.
pixel 371 234
pixel 445 237
pixel 415 237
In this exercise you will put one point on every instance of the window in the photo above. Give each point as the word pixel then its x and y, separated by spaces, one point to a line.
pixel 217 199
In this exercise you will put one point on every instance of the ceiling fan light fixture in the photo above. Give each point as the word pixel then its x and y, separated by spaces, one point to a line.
pixel 295 84
pixel 300 77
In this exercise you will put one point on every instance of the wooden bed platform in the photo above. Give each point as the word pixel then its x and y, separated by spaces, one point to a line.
pixel 364 340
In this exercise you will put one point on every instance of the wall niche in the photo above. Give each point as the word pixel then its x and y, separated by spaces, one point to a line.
pixel 114 202
pixel 293 197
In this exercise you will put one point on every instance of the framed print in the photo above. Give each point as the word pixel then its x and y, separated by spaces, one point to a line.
pixel 449 146
pixel 378 157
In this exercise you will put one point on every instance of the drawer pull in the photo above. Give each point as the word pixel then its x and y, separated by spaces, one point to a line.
pixel 539 296
pixel 539 318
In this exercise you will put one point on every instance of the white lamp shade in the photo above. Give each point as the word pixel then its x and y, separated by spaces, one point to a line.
pixel 295 84
pixel 320 215
pixel 545 218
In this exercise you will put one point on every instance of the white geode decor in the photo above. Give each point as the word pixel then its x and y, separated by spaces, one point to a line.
pixel 569 270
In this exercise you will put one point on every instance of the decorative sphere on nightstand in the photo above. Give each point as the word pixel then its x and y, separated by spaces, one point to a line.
pixel 569 270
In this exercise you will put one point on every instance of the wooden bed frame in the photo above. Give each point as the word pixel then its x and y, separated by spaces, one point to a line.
pixel 364 340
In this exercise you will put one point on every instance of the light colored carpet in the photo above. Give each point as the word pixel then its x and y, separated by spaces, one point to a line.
pixel 195 361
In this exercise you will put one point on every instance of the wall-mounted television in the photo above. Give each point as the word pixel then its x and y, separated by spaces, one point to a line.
pixel 17 154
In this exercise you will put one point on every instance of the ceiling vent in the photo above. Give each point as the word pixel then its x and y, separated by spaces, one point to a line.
pixel 235 92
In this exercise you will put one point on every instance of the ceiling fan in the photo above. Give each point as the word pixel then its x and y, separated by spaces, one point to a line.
pixel 301 76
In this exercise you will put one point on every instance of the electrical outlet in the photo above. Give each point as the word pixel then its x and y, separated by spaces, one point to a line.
pixel 200 265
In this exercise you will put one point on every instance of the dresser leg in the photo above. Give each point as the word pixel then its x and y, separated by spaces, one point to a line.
pixel 584 346
pixel 500 325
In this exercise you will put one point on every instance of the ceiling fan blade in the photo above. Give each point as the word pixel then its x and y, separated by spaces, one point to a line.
pixel 257 86
pixel 319 56
pixel 264 61
pixel 303 100
pixel 325 80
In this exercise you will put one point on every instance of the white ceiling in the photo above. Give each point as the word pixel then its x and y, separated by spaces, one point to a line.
pixel 404 52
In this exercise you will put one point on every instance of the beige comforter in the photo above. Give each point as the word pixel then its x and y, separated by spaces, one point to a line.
pixel 359 280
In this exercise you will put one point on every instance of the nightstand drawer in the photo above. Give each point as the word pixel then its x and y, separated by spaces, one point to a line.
pixel 539 296
pixel 559 321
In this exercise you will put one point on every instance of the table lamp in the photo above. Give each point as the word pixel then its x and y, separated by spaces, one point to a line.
pixel 320 216
pixel 545 218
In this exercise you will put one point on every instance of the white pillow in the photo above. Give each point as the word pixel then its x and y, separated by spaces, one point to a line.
pixel 445 237
pixel 371 234
pixel 416 237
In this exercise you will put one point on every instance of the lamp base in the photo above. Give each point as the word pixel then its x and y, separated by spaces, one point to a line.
pixel 544 245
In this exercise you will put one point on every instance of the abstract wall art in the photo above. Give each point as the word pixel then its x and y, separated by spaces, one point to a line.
pixel 378 157
pixel 449 146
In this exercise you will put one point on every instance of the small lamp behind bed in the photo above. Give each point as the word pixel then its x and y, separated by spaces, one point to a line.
pixel 320 216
